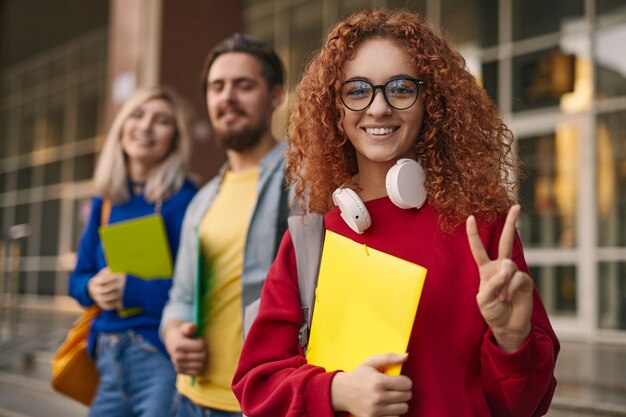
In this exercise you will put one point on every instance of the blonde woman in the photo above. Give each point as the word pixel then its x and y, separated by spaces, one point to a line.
pixel 141 171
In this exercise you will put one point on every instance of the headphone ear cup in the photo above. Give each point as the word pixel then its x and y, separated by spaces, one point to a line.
pixel 405 184
pixel 352 209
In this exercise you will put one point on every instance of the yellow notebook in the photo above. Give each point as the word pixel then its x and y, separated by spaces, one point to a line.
pixel 138 247
pixel 365 304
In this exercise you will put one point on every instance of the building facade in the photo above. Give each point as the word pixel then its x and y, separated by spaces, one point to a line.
pixel 555 68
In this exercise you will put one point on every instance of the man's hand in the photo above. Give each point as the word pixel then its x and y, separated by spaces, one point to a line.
pixel 188 354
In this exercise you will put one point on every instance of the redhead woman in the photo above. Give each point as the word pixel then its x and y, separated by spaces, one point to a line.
pixel 141 171
pixel 388 91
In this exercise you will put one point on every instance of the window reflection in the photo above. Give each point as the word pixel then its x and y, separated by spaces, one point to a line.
pixel 548 193
pixel 474 23
pixel 558 287
pixel 418 6
pixel 610 6
pixel 612 295
pixel 490 79
pixel 306 37
pixel 83 167
pixel 538 17
pixel 610 66
pixel 27 130
pixel 611 178
pixel 4 134
pixel 541 78
pixel 49 243
pixel 46 282
pixel 55 121
pixel 88 112
pixel 347 7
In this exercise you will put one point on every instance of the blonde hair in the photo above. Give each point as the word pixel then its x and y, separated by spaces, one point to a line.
pixel 111 173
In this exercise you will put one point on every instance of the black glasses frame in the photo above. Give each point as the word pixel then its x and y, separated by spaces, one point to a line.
pixel 382 88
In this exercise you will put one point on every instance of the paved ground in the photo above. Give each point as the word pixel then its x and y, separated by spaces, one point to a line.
pixel 592 378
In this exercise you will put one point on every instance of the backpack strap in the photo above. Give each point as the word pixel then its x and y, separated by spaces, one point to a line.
pixel 283 214
pixel 307 234
pixel 105 214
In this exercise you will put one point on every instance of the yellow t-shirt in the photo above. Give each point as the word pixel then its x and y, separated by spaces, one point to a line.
pixel 223 231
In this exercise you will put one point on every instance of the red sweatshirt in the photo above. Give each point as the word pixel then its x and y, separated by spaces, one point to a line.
pixel 456 367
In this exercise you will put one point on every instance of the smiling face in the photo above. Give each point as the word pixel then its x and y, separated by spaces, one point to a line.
pixel 381 134
pixel 239 100
pixel 148 133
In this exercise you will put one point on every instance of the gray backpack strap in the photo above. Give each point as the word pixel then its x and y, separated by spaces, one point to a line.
pixel 307 234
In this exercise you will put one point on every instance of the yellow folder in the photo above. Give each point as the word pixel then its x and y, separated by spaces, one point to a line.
pixel 138 247
pixel 365 304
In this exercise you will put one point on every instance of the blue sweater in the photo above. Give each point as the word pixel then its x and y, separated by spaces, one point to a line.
pixel 149 295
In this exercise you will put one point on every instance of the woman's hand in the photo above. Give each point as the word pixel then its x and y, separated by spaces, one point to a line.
pixel 368 392
pixel 106 289
pixel 505 295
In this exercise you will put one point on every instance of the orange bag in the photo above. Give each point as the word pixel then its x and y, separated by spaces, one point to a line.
pixel 74 372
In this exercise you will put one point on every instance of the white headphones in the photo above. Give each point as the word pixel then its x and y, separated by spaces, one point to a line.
pixel 405 188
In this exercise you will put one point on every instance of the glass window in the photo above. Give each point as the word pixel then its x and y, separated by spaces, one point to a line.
pixel 49 242
pixel 473 23
pixel 4 134
pixel 23 281
pixel 541 78
pixel 9 181
pixel 263 29
pixel 24 178
pixel 52 173
pixel 306 36
pixel 418 6
pixel 347 7
pixel 611 178
pixel 612 295
pixel 610 6
pixel 22 216
pixel 88 112
pixel 93 53
pixel 610 67
pixel 83 167
pixel 490 79
pixel 548 193
pixel 82 209
pixel 58 67
pixel 10 85
pixel 27 130
pixel 538 17
pixel 55 121
pixel 46 282
pixel 558 287
pixel 249 3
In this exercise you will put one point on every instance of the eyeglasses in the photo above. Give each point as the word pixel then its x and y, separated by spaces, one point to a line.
pixel 399 93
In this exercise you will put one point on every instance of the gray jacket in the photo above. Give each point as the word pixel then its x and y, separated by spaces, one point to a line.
pixel 261 240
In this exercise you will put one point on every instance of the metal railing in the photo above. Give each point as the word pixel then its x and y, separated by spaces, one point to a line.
pixel 10 265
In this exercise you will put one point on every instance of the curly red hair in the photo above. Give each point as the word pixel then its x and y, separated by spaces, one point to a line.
pixel 464 146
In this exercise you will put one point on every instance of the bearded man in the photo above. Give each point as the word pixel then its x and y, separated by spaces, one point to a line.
pixel 231 230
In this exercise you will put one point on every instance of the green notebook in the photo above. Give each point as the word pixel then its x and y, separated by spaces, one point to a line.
pixel 138 247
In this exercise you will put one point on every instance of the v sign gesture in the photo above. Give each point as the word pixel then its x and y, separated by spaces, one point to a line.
pixel 505 294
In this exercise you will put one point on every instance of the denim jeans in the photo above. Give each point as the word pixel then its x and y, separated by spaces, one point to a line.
pixel 184 407
pixel 136 379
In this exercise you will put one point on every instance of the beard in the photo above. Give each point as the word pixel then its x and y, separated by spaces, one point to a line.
pixel 241 139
